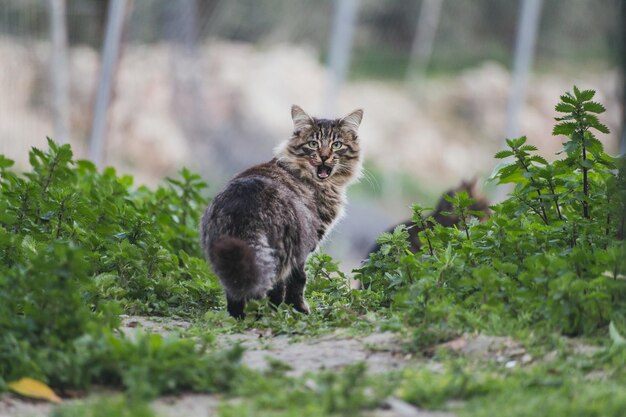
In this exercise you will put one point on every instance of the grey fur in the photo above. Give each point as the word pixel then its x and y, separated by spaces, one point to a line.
pixel 258 232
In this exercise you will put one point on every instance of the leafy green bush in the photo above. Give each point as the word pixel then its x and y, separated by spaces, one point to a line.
pixel 141 247
pixel 78 247
pixel 551 255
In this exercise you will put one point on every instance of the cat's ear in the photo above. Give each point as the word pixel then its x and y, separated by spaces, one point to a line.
pixel 301 120
pixel 352 121
pixel 471 186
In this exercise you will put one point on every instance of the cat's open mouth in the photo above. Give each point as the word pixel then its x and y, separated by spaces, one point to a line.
pixel 323 172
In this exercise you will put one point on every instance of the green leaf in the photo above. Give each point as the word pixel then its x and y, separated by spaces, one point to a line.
pixel 503 154
pixel 565 108
pixel 565 128
pixel 587 163
pixel 539 159
pixel 569 99
pixel 594 145
pixel 601 128
pixel 477 213
pixel 593 107
pixel 5 162
pixel 571 147
pixel 516 142
pixel 584 95
pixel 510 176
pixel 86 165
pixel 567 117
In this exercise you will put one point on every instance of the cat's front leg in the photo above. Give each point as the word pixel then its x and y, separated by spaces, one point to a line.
pixel 296 283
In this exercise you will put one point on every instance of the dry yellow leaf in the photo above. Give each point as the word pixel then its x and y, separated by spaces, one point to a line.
pixel 32 388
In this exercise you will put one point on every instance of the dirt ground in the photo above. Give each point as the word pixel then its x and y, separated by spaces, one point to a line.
pixel 380 350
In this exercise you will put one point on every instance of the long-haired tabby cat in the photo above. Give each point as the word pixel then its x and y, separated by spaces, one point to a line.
pixel 258 232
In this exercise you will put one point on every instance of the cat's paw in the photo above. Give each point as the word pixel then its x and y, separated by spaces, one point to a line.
pixel 303 307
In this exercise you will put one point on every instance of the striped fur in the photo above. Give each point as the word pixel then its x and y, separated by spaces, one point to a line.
pixel 260 229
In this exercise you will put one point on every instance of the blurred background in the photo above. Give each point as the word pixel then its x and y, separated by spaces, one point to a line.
pixel 150 86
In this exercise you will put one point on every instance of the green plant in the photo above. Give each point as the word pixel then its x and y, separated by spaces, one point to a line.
pixel 78 247
pixel 142 246
pixel 424 223
pixel 382 272
pixel 551 253
pixel 583 149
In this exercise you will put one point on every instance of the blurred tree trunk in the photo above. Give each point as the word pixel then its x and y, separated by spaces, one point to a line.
pixel 117 16
pixel 59 70
pixel 340 50
pixel 102 7
pixel 188 104
pixel 424 39
pixel 181 23
pixel 622 54
pixel 528 26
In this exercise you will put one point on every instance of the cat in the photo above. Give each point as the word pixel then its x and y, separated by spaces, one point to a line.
pixel 258 232
pixel 443 214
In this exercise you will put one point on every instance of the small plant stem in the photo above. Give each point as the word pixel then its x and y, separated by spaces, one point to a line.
pixel 53 167
pixel 410 276
pixel 538 213
pixel 556 200
pixel 60 220
pixel 543 214
pixel 184 203
pixel 607 231
pixel 585 183
pixel 22 214
pixel 183 217
pixel 430 246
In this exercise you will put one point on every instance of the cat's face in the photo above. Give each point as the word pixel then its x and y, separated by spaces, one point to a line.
pixel 325 150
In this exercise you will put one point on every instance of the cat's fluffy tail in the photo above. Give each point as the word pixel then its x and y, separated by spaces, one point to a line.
pixel 234 263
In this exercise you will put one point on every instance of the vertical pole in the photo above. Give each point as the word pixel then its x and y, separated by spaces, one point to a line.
pixel 424 39
pixel 622 51
pixel 116 17
pixel 524 50
pixel 181 24
pixel 527 28
pixel 60 70
pixel 188 101
pixel 344 23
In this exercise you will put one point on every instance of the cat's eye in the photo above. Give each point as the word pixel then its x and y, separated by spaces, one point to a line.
pixel 337 145
pixel 314 144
